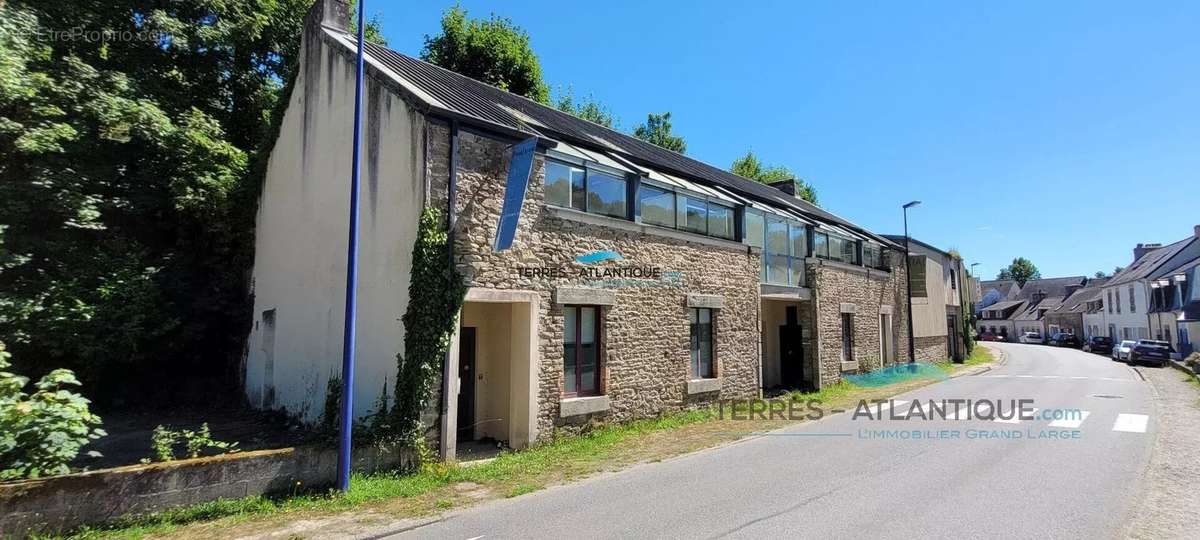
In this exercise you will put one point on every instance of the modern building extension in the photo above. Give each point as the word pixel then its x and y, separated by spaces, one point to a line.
pixel 639 280
pixel 942 292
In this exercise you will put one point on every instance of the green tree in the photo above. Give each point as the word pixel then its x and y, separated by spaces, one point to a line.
pixel 127 182
pixel 1021 270
pixel 749 166
pixel 657 131
pixel 587 108
pixel 494 51
pixel 374 30
pixel 1100 274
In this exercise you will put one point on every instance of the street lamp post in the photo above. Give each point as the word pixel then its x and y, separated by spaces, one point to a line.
pixel 346 417
pixel 912 348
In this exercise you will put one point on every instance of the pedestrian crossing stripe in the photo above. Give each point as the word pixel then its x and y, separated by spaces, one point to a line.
pixel 1016 417
pixel 1131 423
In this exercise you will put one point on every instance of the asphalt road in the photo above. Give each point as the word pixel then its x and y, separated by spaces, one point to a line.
pixel 829 479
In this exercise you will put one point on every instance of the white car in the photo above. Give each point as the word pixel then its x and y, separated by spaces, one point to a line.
pixel 1122 350
pixel 1031 337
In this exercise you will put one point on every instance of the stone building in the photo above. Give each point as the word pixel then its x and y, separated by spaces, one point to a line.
pixel 638 281
pixel 1069 316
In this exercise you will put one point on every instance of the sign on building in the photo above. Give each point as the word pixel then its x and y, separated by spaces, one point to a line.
pixel 519 169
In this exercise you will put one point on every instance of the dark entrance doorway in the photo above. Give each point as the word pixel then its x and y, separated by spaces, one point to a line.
pixel 952 337
pixel 466 378
pixel 791 352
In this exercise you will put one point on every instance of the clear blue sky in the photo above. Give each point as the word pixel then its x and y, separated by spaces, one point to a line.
pixel 1065 132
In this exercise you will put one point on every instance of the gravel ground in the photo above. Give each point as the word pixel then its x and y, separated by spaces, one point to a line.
pixel 1171 491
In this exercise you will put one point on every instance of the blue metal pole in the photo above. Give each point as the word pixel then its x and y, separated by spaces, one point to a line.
pixel 347 417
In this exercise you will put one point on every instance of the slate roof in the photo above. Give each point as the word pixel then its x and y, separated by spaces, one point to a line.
pixel 1169 270
pixel 1077 303
pixel 469 100
pixel 1148 264
pixel 1004 286
pixel 1033 312
pixel 1049 286
pixel 1003 305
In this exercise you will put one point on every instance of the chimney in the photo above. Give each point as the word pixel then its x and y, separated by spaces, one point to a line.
pixel 331 13
pixel 786 186
pixel 1039 296
pixel 1196 231
pixel 1142 249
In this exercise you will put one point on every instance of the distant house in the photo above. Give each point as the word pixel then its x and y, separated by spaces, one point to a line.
pixel 1093 313
pixel 1127 296
pixel 1023 308
pixel 995 318
pixel 1069 316
pixel 991 292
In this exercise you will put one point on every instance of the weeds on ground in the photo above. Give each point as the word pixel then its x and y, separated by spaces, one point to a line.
pixel 521 469
pixel 510 474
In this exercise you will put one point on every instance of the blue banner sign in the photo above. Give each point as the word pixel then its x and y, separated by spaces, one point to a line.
pixel 519 169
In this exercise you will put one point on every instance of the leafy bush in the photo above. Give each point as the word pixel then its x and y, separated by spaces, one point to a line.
pixel 40 433
pixel 1193 359
pixel 164 441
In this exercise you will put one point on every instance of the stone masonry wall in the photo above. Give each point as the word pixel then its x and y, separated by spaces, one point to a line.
pixel 930 349
pixel 645 335
pixel 868 290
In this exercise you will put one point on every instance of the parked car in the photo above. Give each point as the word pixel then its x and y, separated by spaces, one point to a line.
pixel 1031 337
pixel 988 336
pixel 1122 350
pixel 1098 344
pixel 1063 339
pixel 1151 351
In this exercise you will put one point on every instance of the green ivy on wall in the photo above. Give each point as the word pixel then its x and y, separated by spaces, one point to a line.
pixel 435 296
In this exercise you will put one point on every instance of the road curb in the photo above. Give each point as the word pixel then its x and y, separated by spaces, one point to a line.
pixel 973 371
pixel 1183 367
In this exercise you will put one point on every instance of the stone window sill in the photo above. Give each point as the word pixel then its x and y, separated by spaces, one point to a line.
pixel 579 406
pixel 701 386
pixel 850 366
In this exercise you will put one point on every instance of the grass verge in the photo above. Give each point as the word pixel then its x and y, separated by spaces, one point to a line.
pixel 384 498
pixel 978 357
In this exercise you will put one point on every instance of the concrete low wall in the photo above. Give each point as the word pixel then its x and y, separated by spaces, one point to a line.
pixel 61 503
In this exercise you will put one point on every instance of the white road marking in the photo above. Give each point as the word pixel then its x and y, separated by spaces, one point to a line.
pixel 1053 377
pixel 1131 423
pixel 1070 423
pixel 1016 419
